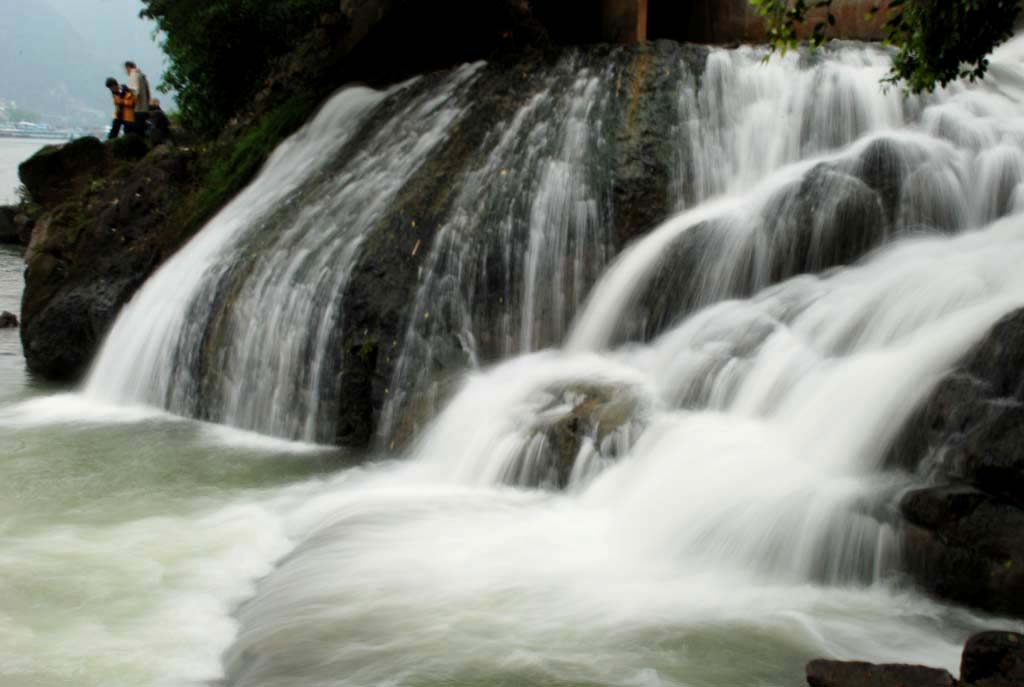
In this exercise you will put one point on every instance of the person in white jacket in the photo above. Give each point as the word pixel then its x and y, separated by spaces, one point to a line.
pixel 139 85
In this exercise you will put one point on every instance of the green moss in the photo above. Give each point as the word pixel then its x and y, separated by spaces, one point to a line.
pixel 230 166
pixel 131 147
pixel 367 352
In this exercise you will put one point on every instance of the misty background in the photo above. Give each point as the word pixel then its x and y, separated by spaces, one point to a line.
pixel 56 54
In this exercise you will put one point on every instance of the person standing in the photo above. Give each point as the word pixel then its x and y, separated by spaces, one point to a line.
pixel 159 124
pixel 124 109
pixel 139 86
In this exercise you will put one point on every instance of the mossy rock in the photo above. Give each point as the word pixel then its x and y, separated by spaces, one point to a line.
pixel 131 147
pixel 55 173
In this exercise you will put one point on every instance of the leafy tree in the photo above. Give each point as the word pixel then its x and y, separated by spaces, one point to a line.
pixel 220 50
pixel 938 41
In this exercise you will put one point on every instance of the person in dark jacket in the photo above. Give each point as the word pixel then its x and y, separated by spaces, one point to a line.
pixel 159 124
pixel 124 108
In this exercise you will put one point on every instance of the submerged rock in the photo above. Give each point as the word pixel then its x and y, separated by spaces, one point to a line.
pixel 8 320
pixel 581 427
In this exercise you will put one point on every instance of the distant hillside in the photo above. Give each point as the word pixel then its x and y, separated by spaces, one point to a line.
pixel 48 67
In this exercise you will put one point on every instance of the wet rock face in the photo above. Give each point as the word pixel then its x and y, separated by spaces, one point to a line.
pixel 582 428
pixel 965 537
pixel 382 291
pixel 966 545
pixel 839 674
pixel 89 254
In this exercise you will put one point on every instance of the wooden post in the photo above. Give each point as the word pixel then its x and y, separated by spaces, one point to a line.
pixel 624 21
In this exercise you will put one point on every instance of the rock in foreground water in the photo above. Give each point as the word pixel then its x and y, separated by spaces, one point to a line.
pixel 990 659
pixel 993 659
pixel 8 320
pixel 840 674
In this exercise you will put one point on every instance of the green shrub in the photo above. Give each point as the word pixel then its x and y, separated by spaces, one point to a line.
pixel 220 50
pixel 939 41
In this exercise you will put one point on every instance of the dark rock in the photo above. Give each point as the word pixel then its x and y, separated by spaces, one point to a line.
pixel 578 417
pixel 8 320
pixel 998 360
pixel 634 172
pixel 24 224
pixel 965 542
pixel 884 166
pixel 841 674
pixel 130 147
pixel 55 173
pixel 993 659
pixel 965 545
pixel 992 455
pixel 644 163
pixel 89 254
pixel 8 229
pixel 827 219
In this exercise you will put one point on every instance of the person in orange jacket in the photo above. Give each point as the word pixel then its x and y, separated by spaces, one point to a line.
pixel 124 109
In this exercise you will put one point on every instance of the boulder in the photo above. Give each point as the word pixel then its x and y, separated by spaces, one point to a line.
pixel 8 228
pixel 130 147
pixel 828 218
pixel 576 423
pixel 55 173
pixel 24 224
pixel 89 254
pixel 990 659
pixel 965 536
pixel 966 545
pixel 841 674
pixel 993 659
pixel 884 165
pixel 8 320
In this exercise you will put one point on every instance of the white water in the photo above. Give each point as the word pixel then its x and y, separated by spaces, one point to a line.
pixel 726 517
pixel 264 369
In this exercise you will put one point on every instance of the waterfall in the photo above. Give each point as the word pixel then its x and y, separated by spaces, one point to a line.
pixel 727 475
pixel 791 167
pixel 251 327
pixel 657 463
pixel 527 237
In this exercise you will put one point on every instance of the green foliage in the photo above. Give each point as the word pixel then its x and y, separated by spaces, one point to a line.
pixel 938 41
pixel 220 50
pixel 232 165
pixel 130 147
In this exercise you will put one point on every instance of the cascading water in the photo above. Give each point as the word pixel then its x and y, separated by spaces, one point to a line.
pixel 528 236
pixel 252 329
pixel 752 499
pixel 693 490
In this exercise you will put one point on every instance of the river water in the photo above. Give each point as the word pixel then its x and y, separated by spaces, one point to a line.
pixel 731 528
pixel 126 536
pixel 12 152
